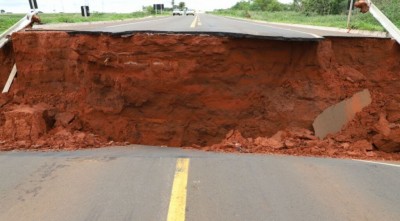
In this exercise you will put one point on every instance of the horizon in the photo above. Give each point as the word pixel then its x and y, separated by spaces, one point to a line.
pixel 115 6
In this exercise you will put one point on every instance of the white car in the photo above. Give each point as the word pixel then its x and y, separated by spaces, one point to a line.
pixel 190 12
pixel 177 12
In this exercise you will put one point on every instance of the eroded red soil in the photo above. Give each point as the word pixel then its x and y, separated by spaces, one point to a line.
pixel 6 63
pixel 213 93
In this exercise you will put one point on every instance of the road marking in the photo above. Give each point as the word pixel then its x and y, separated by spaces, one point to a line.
pixel 177 204
pixel 193 25
pixel 302 32
pixel 198 21
pixel 265 25
pixel 374 162
pixel 136 22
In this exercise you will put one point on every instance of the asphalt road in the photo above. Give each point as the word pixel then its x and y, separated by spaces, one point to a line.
pixel 153 183
pixel 135 183
pixel 206 24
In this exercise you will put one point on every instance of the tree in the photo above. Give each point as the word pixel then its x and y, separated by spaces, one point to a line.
pixel 266 5
pixel 324 7
pixel 150 9
pixel 2 11
pixel 259 5
pixel 182 5
pixel 296 5
pixel 242 5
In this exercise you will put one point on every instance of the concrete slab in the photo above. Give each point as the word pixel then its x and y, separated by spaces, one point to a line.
pixel 332 119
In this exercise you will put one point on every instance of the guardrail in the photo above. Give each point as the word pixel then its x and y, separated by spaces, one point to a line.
pixel 5 37
pixel 21 24
pixel 385 22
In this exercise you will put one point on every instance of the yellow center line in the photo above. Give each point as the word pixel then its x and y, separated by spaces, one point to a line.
pixel 194 22
pixel 177 204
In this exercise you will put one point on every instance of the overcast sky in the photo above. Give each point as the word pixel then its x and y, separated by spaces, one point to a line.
pixel 110 5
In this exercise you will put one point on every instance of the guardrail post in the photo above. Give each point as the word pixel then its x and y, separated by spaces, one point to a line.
pixel 33 4
pixel 349 16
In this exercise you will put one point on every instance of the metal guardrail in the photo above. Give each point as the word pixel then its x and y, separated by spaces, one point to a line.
pixel 10 79
pixel 21 24
pixel 385 22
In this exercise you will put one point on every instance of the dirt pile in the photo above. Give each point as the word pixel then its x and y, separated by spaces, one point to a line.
pixel 187 90
pixel 43 127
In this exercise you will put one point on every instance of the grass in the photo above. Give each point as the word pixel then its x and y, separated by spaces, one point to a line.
pixel 358 20
pixel 7 20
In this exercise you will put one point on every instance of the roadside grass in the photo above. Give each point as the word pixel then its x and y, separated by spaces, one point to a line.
pixel 7 20
pixel 76 18
pixel 358 20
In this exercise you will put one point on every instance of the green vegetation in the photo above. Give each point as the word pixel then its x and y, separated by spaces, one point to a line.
pixel 331 13
pixel 181 5
pixel 74 18
pixel 358 21
pixel 7 20
pixel 259 5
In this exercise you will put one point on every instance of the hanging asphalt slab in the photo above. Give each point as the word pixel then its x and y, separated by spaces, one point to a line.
pixel 199 24
pixel 204 24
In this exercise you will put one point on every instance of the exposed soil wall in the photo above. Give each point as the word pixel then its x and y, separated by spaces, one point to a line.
pixel 6 62
pixel 187 90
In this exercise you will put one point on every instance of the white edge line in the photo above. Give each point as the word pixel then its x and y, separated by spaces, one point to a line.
pixel 136 22
pixel 261 24
pixel 374 162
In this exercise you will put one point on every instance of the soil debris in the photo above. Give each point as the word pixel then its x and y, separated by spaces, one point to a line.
pixel 204 92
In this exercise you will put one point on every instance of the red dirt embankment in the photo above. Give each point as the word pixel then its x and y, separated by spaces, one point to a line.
pixel 6 63
pixel 187 90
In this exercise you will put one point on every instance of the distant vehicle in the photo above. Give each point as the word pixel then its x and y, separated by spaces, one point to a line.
pixel 190 12
pixel 177 12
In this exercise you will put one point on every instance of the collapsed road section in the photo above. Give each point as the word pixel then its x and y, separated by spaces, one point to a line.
pixel 77 90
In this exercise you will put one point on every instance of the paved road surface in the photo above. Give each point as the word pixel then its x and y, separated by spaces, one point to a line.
pixel 135 183
pixel 153 183
pixel 208 24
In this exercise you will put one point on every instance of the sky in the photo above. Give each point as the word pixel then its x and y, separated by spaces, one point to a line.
pixel 122 6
